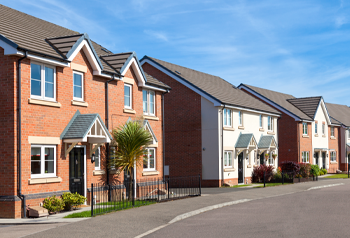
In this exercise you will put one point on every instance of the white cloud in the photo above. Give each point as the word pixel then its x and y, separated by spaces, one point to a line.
pixel 340 20
pixel 158 35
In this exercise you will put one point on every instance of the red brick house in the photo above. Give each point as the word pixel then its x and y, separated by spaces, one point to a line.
pixel 62 94
pixel 307 134
pixel 212 128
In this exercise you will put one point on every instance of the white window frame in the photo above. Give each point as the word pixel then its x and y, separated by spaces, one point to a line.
pixel 270 123
pixel 260 121
pixel 240 118
pixel 42 162
pixel 323 129
pixel 148 160
pixel 226 152
pixel 42 72
pixel 148 111
pixel 130 88
pixel 227 117
pixel 270 160
pixel 332 131
pixel 348 133
pixel 99 159
pixel 305 155
pixel 305 128
pixel 82 87
pixel 333 155
pixel 316 128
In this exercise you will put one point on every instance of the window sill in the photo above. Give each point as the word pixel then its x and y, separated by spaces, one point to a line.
pixel 98 172
pixel 149 173
pixel 80 103
pixel 241 127
pixel 333 138
pixel 255 165
pixel 249 166
pixel 44 180
pixel 334 162
pixel 316 135
pixel 271 133
pixel 43 102
pixel 129 111
pixel 324 136
pixel 153 145
pixel 261 129
pixel 229 169
pixel 154 118
pixel 305 136
pixel 229 129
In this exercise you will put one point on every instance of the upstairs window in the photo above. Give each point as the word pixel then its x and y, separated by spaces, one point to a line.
pixel 149 160
pixel 269 123
pixel 332 131
pixel 42 82
pixel 228 159
pixel 260 122
pixel 148 98
pixel 127 96
pixel 78 92
pixel 323 129
pixel 227 118
pixel 316 125
pixel 240 118
pixel 305 156
pixel 333 156
pixel 304 128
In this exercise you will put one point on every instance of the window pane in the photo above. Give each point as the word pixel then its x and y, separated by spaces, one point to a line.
pixel 49 160
pixel 229 159
pixel 77 80
pixel 35 160
pixel 225 159
pixel 49 75
pixel 151 159
pixel 127 96
pixel 229 117
pixel 151 102
pixel 78 92
pixel 35 70
pixel 49 90
pixel 144 98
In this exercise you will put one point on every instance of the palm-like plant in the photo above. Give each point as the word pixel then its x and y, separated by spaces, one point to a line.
pixel 132 140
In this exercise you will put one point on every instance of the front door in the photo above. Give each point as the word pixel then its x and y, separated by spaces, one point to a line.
pixel 316 158
pixel 240 168
pixel 323 160
pixel 76 171
pixel 127 181
pixel 262 158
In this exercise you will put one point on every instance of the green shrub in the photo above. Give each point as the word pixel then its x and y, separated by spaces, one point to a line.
pixel 324 171
pixel 305 170
pixel 277 176
pixel 321 172
pixel 72 200
pixel 315 170
pixel 53 204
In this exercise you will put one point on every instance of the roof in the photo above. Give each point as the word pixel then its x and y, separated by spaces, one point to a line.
pixel 307 105
pixel 153 81
pixel 339 113
pixel 116 61
pixel 282 100
pixel 244 140
pixel 214 87
pixel 265 142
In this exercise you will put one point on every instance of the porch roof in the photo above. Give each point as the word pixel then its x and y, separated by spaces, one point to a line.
pixel 266 142
pixel 320 149
pixel 245 141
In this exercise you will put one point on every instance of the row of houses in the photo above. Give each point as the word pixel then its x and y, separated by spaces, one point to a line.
pixel 63 94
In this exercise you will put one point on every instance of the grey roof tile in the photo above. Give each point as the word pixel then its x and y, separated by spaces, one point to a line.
pixel 153 81
pixel 244 140
pixel 265 142
pixel 339 113
pixel 307 105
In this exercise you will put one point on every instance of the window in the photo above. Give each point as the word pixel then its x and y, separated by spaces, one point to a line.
pixel 228 159
pixel 97 159
pixel 269 123
pixel 304 128
pixel 43 161
pixel 149 161
pixel 270 160
pixel 323 131
pixel 227 118
pixel 332 131
pixel 305 156
pixel 78 92
pixel 148 98
pixel 333 156
pixel 348 133
pixel 316 125
pixel 240 118
pixel 260 121
pixel 127 96
pixel 42 82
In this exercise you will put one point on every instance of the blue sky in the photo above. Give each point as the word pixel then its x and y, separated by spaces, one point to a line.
pixel 296 47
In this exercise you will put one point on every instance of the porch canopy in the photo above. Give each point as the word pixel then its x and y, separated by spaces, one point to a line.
pixel 321 149
pixel 85 128
pixel 246 142
pixel 267 143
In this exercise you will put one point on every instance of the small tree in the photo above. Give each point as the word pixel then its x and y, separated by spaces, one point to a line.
pixel 132 140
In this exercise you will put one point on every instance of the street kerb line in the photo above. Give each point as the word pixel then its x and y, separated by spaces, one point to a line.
pixel 326 186
pixel 151 231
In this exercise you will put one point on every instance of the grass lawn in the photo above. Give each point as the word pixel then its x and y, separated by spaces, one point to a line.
pixel 239 186
pixel 337 176
pixel 112 206
pixel 269 184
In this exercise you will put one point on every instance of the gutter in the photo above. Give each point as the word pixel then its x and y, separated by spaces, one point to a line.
pixel 163 128
pixel 19 135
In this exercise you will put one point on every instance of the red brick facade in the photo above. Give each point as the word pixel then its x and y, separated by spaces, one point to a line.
pixel 47 121
pixel 333 145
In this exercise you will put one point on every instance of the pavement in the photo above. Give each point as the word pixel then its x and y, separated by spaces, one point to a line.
pixel 142 221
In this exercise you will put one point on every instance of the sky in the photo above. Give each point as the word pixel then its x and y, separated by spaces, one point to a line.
pixel 297 47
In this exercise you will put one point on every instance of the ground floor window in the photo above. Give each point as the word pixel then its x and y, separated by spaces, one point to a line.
pixel 333 156
pixel 97 159
pixel 228 159
pixel 305 156
pixel 149 160
pixel 270 160
pixel 43 161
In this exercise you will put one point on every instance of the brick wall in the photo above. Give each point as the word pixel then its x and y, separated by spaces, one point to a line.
pixel 333 144
pixel 305 142
pixel 183 141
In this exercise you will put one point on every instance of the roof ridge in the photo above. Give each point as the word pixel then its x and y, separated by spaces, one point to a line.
pixel 267 89
pixel 304 98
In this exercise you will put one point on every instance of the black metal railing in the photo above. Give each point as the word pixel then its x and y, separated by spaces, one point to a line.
pixel 105 198
pixel 287 177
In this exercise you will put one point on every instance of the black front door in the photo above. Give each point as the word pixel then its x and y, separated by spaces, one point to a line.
pixel 316 158
pixel 240 168
pixel 127 181
pixel 323 160
pixel 76 170
pixel 262 158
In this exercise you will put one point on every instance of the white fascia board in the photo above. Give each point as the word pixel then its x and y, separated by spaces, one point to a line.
pixel 216 103
pixel 132 63
pixel 325 111
pixel 47 60
pixel 89 54
pixel 306 121
pixel 271 103
pixel 97 73
pixel 154 88
pixel 252 110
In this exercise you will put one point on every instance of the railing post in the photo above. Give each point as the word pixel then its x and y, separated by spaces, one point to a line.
pixel 158 188
pixel 92 200
pixel 264 177
pixel 200 185
pixel 168 187
pixel 282 178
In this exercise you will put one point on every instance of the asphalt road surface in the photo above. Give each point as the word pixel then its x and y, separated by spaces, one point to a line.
pixel 317 213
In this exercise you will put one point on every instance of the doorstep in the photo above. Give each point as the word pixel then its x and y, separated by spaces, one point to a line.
pixel 56 218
